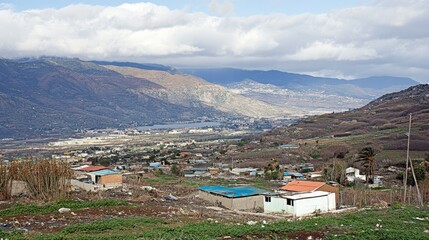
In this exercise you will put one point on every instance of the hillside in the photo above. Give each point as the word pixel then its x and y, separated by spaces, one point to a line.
pixel 382 122
pixel 61 95
pixel 187 90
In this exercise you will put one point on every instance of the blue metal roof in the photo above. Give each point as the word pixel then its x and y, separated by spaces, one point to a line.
pixel 104 172
pixel 155 164
pixel 242 191
pixel 295 174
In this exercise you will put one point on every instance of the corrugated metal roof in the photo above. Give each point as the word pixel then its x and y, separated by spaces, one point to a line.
pixel 242 191
pixel 93 168
pixel 295 174
pixel 155 164
pixel 303 186
pixel 104 172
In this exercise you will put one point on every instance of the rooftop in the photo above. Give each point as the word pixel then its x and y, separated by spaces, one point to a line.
pixel 302 186
pixel 295 174
pixel 308 195
pixel 93 168
pixel 104 172
pixel 242 191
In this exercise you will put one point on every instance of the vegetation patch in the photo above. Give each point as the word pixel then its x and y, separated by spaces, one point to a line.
pixel 397 222
pixel 74 205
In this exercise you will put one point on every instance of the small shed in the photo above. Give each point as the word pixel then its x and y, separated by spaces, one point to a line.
pixel 242 197
pixel 288 176
pixel 106 177
pixel 300 204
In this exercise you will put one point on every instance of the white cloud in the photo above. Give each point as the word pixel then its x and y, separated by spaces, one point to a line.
pixel 330 50
pixel 225 8
pixel 389 37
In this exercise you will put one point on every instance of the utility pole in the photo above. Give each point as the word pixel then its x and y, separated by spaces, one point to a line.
pixel 412 169
pixel 408 157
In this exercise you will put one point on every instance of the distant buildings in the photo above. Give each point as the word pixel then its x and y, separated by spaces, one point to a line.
pixel 353 174
pixel 289 176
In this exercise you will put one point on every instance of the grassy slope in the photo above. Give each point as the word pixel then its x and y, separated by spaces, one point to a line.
pixel 397 222
pixel 75 205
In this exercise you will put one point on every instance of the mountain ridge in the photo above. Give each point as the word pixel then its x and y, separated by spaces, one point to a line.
pixel 294 81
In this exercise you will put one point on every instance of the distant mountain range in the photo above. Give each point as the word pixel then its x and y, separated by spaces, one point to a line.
pixel 58 95
pixel 303 92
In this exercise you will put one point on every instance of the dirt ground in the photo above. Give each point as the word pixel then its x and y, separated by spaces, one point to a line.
pixel 187 208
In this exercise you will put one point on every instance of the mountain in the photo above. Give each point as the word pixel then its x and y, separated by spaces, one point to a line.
pixel 309 101
pixel 293 81
pixel 382 122
pixel 316 94
pixel 51 95
pixel 187 91
pixel 59 94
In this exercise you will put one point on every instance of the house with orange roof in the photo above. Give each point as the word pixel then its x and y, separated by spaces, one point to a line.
pixel 311 186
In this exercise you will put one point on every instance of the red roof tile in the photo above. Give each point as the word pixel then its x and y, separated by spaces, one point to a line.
pixel 93 168
pixel 302 186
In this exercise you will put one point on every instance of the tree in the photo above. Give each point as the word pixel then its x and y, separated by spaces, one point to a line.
pixel 367 158
pixel 336 172
pixel 176 170
pixel 272 170
pixel 420 175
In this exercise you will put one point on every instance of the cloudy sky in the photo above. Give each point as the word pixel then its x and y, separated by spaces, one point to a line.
pixel 333 38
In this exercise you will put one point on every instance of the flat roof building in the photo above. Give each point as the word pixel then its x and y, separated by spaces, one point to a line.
pixel 243 197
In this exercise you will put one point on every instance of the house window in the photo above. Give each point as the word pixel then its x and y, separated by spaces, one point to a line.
pixel 267 199
pixel 289 202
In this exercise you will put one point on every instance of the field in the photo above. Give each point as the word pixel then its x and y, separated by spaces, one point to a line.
pixel 396 222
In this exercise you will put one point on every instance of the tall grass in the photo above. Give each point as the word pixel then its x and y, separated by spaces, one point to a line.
pixel 5 182
pixel 45 179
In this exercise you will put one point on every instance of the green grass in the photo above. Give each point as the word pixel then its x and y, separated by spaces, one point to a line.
pixel 73 205
pixel 13 234
pixel 398 222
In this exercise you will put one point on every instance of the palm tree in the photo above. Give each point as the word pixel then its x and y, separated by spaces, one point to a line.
pixel 367 157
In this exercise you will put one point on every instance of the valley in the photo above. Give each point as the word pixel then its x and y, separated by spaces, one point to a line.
pixel 152 171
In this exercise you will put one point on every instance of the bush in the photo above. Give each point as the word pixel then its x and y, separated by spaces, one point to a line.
pixel 420 172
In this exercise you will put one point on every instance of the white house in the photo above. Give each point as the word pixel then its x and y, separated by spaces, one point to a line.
pixel 300 204
pixel 353 174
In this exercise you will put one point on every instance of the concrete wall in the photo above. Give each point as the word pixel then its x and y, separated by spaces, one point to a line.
pixel 242 203
pixel 111 179
pixel 277 204
pixel 301 207
pixel 85 186
pixel 94 187
pixel 18 188
pixel 332 189
pixel 310 205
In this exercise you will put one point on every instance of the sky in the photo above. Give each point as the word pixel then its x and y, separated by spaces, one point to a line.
pixel 331 38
